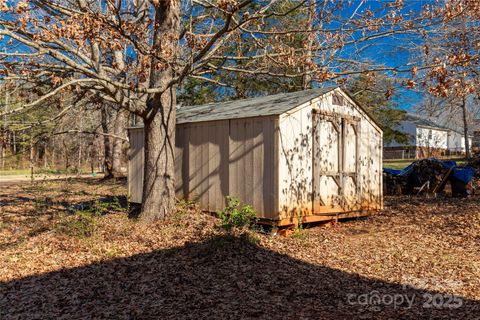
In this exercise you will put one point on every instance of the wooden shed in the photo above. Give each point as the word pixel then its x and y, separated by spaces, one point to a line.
pixel 314 155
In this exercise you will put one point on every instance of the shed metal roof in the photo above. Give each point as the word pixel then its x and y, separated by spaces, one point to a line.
pixel 246 108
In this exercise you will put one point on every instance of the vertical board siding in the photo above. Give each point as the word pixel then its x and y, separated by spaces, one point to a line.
pixel 248 163
pixel 205 177
pixel 218 159
pixel 213 154
pixel 251 163
pixel 326 150
pixel 179 154
pixel 258 156
pixel 295 163
pixel 135 165
pixel 268 162
pixel 362 181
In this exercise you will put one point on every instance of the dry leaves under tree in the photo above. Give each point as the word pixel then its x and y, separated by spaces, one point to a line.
pixel 188 267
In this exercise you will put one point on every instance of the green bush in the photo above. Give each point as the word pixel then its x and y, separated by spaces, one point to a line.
pixel 235 217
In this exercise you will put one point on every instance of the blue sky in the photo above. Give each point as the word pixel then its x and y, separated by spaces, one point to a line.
pixel 392 51
pixel 396 51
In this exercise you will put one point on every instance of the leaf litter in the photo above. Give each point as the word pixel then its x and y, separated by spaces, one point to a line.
pixel 189 267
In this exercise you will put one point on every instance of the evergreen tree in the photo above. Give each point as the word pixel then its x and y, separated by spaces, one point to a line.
pixel 377 96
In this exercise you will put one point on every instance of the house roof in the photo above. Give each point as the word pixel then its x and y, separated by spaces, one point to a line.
pixel 425 122
pixel 260 106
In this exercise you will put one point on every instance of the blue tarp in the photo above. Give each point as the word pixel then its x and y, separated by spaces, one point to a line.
pixel 395 172
pixel 462 173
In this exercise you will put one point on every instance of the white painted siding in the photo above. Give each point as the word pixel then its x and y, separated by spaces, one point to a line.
pixel 296 166
pixel 432 138
pixel 268 162
pixel 456 142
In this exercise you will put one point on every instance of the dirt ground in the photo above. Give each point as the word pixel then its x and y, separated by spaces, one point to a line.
pixel 69 250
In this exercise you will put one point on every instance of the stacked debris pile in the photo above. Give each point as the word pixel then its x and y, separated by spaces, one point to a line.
pixel 475 164
pixel 429 176
pixel 395 181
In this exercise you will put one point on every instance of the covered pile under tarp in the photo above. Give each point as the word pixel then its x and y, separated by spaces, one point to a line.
pixel 428 175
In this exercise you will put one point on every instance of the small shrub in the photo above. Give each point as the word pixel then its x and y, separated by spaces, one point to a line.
pixel 235 217
pixel 81 224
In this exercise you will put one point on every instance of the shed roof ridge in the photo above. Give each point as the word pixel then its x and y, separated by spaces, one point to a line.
pixel 268 105
pixel 322 90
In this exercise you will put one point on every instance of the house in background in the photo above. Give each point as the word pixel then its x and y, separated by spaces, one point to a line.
pixel 456 142
pixel 476 137
pixel 312 155
pixel 427 139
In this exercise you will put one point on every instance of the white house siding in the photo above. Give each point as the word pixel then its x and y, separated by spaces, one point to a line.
pixel 456 142
pixel 470 143
pixel 432 138
pixel 296 166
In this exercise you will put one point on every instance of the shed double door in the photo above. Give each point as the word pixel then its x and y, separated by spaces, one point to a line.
pixel 335 163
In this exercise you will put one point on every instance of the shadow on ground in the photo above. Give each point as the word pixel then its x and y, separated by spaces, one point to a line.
pixel 225 277
pixel 38 194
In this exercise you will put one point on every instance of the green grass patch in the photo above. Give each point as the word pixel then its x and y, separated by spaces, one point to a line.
pixel 400 164
pixel 15 172
pixel 42 171
pixel 396 164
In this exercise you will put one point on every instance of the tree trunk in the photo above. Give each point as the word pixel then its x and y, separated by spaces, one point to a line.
pixel 159 120
pixel 14 144
pixel 79 162
pixel 52 158
pixel 2 154
pixel 67 159
pixel 45 158
pixel 80 150
pixel 307 77
pixel 107 153
pixel 465 128
pixel 31 158
pixel 159 170
pixel 118 130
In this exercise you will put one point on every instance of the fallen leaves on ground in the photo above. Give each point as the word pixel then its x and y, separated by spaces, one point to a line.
pixel 188 267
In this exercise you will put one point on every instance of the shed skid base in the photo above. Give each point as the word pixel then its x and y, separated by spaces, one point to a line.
pixel 317 218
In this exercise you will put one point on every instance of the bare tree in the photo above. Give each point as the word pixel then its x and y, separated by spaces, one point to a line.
pixel 134 54
pixel 453 49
